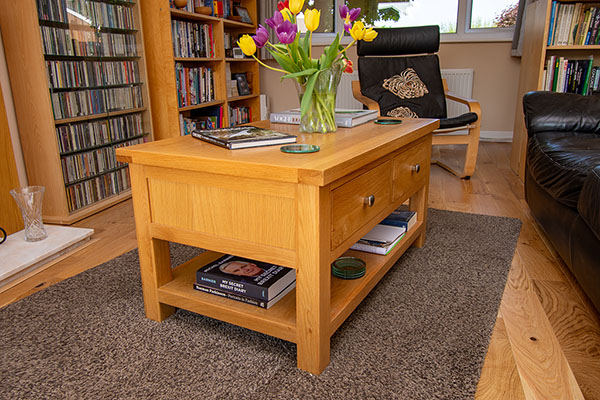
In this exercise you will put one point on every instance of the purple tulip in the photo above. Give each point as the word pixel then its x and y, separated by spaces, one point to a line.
pixel 286 32
pixel 261 37
pixel 348 15
pixel 275 21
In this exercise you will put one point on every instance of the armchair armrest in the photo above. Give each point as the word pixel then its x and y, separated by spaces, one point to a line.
pixel 472 104
pixel 370 103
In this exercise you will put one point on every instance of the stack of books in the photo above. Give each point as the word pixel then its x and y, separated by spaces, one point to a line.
pixel 246 280
pixel 385 236
pixel 343 118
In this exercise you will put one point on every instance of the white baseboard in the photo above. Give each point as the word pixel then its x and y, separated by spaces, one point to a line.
pixel 496 136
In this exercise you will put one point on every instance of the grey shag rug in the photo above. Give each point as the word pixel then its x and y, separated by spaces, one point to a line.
pixel 422 333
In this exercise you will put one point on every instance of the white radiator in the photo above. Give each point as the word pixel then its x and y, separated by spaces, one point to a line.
pixel 460 82
pixel 344 98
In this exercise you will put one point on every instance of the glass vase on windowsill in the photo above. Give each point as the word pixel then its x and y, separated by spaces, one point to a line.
pixel 316 79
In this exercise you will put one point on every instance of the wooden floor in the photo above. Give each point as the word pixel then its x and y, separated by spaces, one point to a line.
pixel 546 342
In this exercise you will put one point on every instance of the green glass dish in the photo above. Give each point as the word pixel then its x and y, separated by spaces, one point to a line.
pixel 300 148
pixel 348 268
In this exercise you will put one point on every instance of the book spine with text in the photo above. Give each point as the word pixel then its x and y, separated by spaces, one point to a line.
pixel 285 118
pixel 232 296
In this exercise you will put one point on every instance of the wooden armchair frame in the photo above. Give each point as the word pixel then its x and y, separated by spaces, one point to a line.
pixel 471 139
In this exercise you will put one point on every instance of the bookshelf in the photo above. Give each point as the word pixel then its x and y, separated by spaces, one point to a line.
pixel 79 86
pixel 555 36
pixel 172 55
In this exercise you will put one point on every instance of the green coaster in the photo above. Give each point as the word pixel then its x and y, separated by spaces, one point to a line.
pixel 300 148
pixel 348 268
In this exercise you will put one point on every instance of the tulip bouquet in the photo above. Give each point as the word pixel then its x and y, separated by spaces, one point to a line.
pixel 316 79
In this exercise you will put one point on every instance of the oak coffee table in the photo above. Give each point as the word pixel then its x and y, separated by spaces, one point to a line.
pixel 297 210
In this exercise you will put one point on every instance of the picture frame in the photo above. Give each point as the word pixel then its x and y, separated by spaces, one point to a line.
pixel 243 12
pixel 242 84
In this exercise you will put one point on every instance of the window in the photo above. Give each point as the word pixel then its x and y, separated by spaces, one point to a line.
pixel 459 20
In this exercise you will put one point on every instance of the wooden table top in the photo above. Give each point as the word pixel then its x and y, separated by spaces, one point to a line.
pixel 342 152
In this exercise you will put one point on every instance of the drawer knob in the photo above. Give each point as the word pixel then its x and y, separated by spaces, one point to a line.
pixel 416 168
pixel 370 200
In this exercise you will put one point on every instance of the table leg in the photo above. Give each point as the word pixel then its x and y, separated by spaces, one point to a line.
pixel 313 280
pixel 418 203
pixel 155 262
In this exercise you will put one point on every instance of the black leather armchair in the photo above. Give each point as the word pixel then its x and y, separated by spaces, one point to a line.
pixel 562 179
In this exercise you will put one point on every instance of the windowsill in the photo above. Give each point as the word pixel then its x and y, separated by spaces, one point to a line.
pixel 325 39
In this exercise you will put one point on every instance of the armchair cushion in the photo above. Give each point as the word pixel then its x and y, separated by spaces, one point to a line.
pixel 560 161
pixel 404 86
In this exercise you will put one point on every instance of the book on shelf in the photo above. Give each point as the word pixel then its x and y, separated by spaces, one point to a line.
pixel 246 277
pixel 344 118
pixel 404 219
pixel 243 137
pixel 568 76
pixel 380 240
pixel 573 24
pixel 246 299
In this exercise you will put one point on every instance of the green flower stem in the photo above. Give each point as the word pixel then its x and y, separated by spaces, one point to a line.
pixel 266 66
pixel 276 49
pixel 346 48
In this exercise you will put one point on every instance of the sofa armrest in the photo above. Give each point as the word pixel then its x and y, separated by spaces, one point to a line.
pixel 561 112
pixel 589 200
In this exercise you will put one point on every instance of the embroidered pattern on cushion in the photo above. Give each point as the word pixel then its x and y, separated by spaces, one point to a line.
pixel 402 112
pixel 406 85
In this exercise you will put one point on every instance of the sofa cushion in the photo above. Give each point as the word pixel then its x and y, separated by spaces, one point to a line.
pixel 560 162
pixel 588 206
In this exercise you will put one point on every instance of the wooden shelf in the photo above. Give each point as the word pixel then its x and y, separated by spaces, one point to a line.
pixel 280 319
pixel 100 116
pixel 202 105
pixel 238 98
pixel 197 59
pixel 230 59
pixel 579 47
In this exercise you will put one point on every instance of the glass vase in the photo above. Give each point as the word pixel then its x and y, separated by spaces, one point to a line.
pixel 29 199
pixel 320 116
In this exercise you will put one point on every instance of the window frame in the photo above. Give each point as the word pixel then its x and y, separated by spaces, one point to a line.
pixel 463 34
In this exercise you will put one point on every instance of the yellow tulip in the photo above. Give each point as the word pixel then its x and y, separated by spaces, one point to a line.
pixel 296 6
pixel 358 30
pixel 311 19
pixel 287 14
pixel 370 34
pixel 247 45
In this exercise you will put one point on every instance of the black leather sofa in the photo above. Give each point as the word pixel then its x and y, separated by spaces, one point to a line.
pixel 562 179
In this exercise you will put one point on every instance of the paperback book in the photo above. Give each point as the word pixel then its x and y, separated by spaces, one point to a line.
pixel 243 137
pixel 380 240
pixel 343 118
pixel 246 277
pixel 246 299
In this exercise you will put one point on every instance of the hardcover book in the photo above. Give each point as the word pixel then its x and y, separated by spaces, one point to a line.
pixel 246 277
pixel 343 118
pixel 246 299
pixel 380 240
pixel 404 219
pixel 243 137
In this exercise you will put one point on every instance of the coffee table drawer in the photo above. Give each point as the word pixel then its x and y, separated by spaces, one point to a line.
pixel 357 201
pixel 411 167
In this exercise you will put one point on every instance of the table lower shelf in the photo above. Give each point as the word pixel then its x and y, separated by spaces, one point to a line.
pixel 280 319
